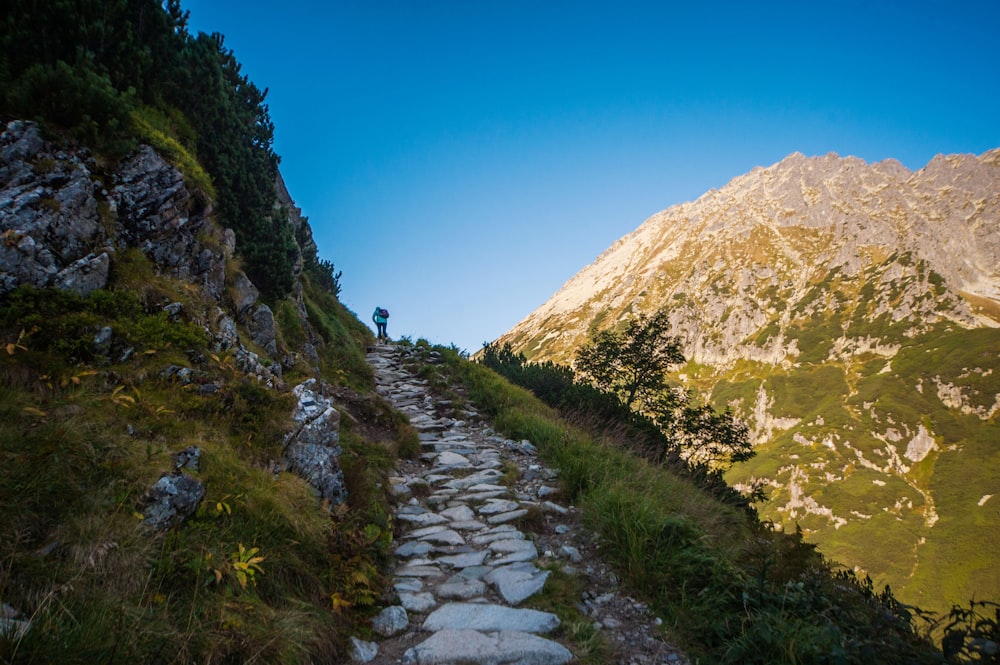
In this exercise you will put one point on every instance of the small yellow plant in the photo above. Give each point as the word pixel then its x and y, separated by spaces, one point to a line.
pixel 339 602
pixel 246 564
pixel 119 397
pixel 14 346
pixel 243 566
pixel 52 382
pixel 222 506
pixel 126 401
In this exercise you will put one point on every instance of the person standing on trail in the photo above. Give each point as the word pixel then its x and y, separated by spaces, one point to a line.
pixel 381 317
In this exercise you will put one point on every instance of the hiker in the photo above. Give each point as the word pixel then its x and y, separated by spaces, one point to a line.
pixel 381 317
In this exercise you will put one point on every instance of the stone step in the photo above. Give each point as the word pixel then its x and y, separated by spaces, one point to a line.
pixel 457 647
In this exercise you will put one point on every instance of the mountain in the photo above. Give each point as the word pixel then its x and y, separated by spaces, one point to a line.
pixel 849 313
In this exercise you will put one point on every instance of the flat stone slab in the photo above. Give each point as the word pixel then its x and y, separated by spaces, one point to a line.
pixel 460 588
pixel 474 479
pixel 426 531
pixel 417 602
pixel 445 537
pixel 479 497
pixel 408 585
pixel 447 647
pixel 458 514
pixel 486 487
pixel 465 560
pixel 495 506
pixel 418 571
pixel 435 478
pixel 450 459
pixel 482 616
pixel 502 532
pixel 518 582
pixel 503 518
pixel 513 551
pixel 413 548
pixel 422 519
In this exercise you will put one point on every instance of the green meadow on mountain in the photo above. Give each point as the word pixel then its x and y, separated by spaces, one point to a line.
pixel 850 314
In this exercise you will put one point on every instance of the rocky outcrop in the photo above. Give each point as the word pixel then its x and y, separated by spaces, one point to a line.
pixel 61 226
pixel 49 214
pixel 173 498
pixel 313 451
pixel 156 212
pixel 750 256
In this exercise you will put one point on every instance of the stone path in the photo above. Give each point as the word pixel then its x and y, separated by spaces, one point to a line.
pixel 464 566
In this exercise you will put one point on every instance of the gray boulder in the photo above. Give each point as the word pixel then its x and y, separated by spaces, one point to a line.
pixel 262 330
pixel 390 621
pixel 173 498
pixel 313 451
pixel 85 275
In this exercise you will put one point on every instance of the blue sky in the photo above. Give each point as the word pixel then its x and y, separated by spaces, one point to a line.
pixel 459 161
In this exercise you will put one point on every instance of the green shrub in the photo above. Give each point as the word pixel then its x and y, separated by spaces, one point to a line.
pixel 73 98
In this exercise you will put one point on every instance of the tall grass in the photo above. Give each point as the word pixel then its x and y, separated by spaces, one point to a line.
pixel 730 589
pixel 84 433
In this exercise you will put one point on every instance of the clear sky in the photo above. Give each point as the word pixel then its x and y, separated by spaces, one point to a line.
pixel 459 161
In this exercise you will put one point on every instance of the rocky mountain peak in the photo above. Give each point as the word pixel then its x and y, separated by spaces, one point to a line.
pixel 781 229
pixel 850 314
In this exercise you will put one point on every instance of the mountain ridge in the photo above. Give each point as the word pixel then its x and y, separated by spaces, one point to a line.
pixel 849 313
pixel 968 256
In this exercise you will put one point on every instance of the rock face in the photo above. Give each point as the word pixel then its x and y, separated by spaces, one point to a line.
pixel 748 255
pixel 156 213
pixel 60 226
pixel 312 451
pixel 849 313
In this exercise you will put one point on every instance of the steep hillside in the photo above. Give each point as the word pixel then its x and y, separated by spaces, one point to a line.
pixel 178 484
pixel 849 312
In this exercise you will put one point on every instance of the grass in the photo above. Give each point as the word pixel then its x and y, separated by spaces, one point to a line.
pixel 262 572
pixel 930 566
pixel 729 589
pixel 561 596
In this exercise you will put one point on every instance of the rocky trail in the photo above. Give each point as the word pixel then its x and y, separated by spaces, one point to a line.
pixel 475 549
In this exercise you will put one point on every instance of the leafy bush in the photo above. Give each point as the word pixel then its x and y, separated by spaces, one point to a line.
pixel 972 634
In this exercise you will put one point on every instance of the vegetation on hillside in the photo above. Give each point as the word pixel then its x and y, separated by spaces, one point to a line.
pixel 262 570
pixel 805 614
pixel 730 588
pixel 111 73
pixel 631 395
pixel 99 393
